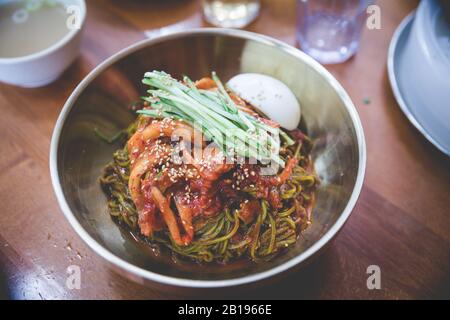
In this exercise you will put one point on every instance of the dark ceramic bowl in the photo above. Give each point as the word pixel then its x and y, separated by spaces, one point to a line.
pixel 78 156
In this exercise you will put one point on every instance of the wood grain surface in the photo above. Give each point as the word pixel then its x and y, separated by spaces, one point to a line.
pixel 401 221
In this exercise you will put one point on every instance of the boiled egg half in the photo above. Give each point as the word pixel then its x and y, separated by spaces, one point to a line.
pixel 270 96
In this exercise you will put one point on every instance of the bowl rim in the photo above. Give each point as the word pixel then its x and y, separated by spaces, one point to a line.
pixel 191 283
pixel 426 33
pixel 55 46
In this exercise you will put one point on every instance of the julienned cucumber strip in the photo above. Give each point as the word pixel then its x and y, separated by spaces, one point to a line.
pixel 213 111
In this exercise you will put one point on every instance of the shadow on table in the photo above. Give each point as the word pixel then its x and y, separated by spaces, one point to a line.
pixel 305 283
pixel 4 290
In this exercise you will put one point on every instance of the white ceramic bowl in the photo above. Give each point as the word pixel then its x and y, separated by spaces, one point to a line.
pixel 43 67
pixel 424 71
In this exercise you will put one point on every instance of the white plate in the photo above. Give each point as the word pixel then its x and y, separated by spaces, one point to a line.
pixel 401 78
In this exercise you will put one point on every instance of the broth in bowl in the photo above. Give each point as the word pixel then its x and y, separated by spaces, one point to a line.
pixel 27 27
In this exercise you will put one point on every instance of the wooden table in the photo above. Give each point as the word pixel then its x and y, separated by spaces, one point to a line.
pixel 401 222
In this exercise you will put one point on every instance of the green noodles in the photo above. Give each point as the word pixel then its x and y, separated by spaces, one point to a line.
pixel 225 236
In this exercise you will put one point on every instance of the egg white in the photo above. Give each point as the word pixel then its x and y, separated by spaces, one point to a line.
pixel 270 96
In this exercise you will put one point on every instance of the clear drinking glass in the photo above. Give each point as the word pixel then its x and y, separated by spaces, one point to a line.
pixel 231 13
pixel 329 30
